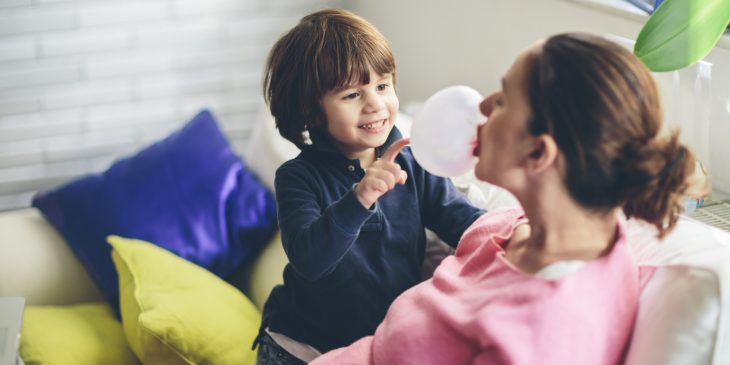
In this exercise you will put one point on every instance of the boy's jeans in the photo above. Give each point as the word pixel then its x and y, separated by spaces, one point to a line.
pixel 272 354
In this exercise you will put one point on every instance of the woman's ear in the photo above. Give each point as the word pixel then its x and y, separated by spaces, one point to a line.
pixel 543 155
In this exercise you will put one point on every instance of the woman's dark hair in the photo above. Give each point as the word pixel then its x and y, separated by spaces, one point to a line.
pixel 327 50
pixel 601 105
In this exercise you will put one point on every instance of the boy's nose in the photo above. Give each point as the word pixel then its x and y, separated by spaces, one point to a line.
pixel 374 103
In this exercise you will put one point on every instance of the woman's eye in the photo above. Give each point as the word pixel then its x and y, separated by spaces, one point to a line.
pixel 498 101
pixel 351 96
pixel 382 87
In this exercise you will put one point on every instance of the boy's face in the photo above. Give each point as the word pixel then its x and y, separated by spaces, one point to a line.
pixel 360 116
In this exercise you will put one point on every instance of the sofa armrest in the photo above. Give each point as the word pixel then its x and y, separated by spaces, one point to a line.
pixel 684 308
pixel 36 263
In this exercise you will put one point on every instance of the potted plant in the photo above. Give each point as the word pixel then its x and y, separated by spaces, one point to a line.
pixel 681 32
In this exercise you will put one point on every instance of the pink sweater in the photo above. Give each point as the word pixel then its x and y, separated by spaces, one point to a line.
pixel 479 309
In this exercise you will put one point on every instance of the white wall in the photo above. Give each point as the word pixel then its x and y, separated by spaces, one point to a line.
pixel 84 82
pixel 473 42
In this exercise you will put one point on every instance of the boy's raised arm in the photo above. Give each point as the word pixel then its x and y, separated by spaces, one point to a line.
pixel 315 241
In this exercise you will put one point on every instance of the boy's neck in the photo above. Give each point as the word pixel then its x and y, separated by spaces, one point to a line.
pixel 366 157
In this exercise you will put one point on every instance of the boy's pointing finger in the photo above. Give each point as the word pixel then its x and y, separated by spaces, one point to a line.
pixel 394 149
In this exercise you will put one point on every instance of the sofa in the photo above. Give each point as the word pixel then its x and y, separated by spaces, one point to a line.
pixel 45 271
pixel 684 315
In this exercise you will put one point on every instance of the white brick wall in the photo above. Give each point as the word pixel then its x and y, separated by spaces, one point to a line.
pixel 84 82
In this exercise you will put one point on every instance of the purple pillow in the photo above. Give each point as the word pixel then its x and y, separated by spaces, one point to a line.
pixel 188 193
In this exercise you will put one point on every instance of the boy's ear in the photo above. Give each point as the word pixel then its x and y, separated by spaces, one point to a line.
pixel 544 153
pixel 317 119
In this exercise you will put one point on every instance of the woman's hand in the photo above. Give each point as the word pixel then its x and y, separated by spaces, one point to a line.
pixel 382 175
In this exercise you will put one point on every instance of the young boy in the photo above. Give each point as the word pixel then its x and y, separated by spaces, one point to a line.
pixel 353 206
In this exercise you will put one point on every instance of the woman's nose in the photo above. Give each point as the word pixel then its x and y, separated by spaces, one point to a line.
pixel 486 105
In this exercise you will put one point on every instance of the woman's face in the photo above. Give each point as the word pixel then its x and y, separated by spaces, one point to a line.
pixel 503 142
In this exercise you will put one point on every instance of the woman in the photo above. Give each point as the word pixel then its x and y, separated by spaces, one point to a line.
pixel 574 135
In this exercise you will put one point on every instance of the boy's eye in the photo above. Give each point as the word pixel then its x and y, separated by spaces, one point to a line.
pixel 382 87
pixel 351 96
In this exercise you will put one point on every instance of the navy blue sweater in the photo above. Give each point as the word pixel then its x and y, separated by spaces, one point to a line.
pixel 347 263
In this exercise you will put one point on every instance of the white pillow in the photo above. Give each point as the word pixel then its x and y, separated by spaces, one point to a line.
pixel 684 309
pixel 267 149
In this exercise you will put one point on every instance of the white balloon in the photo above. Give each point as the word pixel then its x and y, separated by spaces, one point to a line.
pixel 444 131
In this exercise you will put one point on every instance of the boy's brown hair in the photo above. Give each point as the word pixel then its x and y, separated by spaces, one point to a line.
pixel 327 50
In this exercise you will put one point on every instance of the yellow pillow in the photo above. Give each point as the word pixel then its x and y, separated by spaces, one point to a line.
pixel 175 312
pixel 73 335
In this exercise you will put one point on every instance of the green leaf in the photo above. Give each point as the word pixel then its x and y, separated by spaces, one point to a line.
pixel 681 32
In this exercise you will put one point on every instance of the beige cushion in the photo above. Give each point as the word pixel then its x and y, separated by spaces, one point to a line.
pixel 37 264
pixel 267 271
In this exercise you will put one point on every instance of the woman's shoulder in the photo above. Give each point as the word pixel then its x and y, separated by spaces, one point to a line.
pixel 500 221
pixel 494 226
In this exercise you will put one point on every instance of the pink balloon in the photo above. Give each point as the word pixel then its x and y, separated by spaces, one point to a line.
pixel 444 131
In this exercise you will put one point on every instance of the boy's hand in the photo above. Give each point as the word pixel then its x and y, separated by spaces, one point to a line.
pixel 382 175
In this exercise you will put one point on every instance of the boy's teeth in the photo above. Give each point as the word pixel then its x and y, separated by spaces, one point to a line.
pixel 373 125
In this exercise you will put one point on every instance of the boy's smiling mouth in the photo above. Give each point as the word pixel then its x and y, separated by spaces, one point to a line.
pixel 375 126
